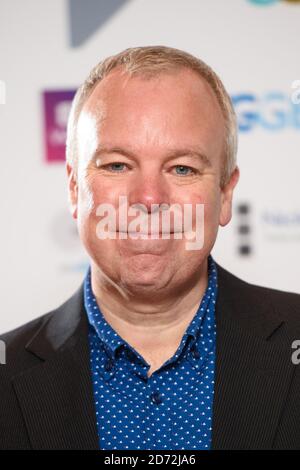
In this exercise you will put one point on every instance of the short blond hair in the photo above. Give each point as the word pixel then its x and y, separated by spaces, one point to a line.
pixel 150 61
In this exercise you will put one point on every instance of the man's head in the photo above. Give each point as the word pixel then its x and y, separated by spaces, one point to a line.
pixel 141 116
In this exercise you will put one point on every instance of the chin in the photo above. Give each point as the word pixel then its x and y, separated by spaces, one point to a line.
pixel 144 265
pixel 143 272
pixel 144 290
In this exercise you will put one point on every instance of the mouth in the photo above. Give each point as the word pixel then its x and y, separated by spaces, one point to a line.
pixel 147 233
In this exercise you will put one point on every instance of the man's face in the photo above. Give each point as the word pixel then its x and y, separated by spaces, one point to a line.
pixel 154 141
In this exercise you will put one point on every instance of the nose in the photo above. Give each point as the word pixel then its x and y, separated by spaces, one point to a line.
pixel 147 189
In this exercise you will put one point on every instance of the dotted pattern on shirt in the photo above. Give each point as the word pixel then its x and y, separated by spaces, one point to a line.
pixel 171 409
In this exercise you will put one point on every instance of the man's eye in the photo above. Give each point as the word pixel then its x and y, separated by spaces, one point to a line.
pixel 115 167
pixel 184 170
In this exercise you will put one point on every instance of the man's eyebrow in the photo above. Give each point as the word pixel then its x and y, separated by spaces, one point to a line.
pixel 105 150
pixel 193 152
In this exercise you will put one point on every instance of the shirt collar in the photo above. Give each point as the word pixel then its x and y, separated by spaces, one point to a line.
pixel 110 338
pixel 208 301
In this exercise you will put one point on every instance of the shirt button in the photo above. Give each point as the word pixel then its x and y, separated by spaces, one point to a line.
pixel 109 365
pixel 130 355
pixel 156 398
pixel 195 353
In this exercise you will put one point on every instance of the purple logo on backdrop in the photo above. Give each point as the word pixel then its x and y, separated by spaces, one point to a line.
pixel 57 106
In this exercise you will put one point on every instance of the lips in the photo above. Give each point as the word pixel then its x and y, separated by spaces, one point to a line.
pixel 148 233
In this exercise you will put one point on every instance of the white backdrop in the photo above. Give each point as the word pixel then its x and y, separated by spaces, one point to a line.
pixel 254 49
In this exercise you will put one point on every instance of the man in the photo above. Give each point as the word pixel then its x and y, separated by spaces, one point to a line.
pixel 160 347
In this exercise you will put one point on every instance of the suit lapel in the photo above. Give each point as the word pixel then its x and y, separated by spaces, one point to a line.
pixel 253 367
pixel 56 396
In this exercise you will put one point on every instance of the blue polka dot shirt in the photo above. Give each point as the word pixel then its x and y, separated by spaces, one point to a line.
pixel 171 409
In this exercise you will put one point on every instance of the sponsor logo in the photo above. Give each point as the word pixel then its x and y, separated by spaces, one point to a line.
pixel 244 229
pixel 271 2
pixel 272 111
pixel 57 106
pixel 87 17
pixel 281 225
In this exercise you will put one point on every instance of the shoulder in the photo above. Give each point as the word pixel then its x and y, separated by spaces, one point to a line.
pixel 14 343
pixel 45 334
pixel 285 303
pixel 23 333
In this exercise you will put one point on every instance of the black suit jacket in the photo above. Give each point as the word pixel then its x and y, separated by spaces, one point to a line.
pixel 46 397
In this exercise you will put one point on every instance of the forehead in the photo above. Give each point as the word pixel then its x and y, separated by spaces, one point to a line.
pixel 176 109
pixel 168 88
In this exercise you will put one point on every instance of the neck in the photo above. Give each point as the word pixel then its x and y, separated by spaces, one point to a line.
pixel 150 324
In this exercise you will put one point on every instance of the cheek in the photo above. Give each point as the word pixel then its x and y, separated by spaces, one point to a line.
pixel 211 217
pixel 86 201
pixel 106 191
pixel 212 204
pixel 212 210
pixel 92 192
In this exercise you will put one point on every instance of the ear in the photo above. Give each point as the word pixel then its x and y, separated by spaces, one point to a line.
pixel 72 190
pixel 226 197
